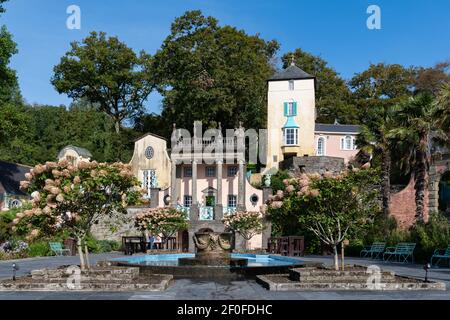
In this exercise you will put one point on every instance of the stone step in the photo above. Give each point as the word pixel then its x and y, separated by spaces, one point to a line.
pixel 332 275
pixel 283 283
pixel 156 283
pixel 101 273
pixel 340 279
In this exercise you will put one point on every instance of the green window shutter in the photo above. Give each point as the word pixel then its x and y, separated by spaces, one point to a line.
pixel 295 109
pixel 285 109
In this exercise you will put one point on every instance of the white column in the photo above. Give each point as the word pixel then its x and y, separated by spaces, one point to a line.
pixel 241 187
pixel 194 183
pixel 173 183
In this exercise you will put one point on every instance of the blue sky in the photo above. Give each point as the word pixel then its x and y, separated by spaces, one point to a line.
pixel 413 32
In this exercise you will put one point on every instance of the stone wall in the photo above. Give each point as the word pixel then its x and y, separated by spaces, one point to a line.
pixel 314 164
pixel 117 226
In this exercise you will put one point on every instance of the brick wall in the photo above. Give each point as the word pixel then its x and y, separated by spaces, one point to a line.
pixel 403 206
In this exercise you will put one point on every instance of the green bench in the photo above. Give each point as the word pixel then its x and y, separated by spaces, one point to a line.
pixel 402 252
pixel 374 251
pixel 441 255
pixel 58 249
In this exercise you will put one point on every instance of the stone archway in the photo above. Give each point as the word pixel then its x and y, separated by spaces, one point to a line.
pixel 437 170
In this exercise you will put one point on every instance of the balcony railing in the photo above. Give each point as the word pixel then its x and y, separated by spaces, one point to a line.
pixel 224 144
pixel 206 213
pixel 185 210
pixel 228 210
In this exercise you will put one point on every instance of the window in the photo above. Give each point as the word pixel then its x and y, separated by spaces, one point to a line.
pixel 15 203
pixel 232 200
pixel 210 171
pixel 187 172
pixel 290 109
pixel 291 136
pixel 149 181
pixel 348 143
pixel 188 201
pixel 321 146
pixel 291 85
pixel 232 171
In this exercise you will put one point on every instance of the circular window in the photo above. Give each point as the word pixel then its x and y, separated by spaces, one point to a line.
pixel 149 152
pixel 166 200
pixel 15 204
pixel 254 199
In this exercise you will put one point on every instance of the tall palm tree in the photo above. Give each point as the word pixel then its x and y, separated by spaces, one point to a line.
pixel 373 140
pixel 416 123
pixel 442 104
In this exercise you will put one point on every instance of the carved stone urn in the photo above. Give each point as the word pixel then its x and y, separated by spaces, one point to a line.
pixel 213 249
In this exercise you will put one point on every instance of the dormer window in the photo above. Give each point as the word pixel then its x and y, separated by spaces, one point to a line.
pixel 291 85
pixel 290 109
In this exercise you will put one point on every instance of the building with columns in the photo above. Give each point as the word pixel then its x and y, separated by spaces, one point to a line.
pixel 205 175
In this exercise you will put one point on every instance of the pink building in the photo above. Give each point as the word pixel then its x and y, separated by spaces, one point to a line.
pixel 336 140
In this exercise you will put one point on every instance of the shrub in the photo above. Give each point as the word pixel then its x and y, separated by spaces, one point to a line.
pixel 39 249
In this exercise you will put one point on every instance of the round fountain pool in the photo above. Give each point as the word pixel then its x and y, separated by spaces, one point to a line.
pixel 169 264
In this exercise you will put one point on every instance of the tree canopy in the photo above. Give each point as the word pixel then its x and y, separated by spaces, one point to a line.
pixel 212 73
pixel 108 74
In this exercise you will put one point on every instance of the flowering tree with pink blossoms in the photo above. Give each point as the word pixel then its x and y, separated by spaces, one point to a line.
pixel 75 197
pixel 331 206
pixel 247 224
pixel 165 221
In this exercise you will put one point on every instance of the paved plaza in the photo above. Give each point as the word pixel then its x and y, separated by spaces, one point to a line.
pixel 239 290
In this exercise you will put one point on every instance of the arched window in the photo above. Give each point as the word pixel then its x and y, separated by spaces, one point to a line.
pixel 321 146
pixel 347 143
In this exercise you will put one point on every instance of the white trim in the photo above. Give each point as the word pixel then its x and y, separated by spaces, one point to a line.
pixel 324 147
pixel 295 137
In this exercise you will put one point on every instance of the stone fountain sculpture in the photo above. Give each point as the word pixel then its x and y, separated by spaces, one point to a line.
pixel 213 249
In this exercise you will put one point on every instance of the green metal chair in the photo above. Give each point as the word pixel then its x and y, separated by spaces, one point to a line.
pixel 402 252
pixel 441 255
pixel 374 251
pixel 58 249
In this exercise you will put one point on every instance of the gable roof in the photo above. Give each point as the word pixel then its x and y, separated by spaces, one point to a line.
pixel 337 128
pixel 10 176
pixel 80 151
pixel 150 134
pixel 291 73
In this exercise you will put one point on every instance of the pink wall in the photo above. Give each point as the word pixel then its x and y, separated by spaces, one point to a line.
pixel 403 206
pixel 333 145
pixel 229 186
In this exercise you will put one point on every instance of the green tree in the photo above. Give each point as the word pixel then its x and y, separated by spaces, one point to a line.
pixel 213 74
pixel 373 139
pixel 9 87
pixel 2 9
pixel 333 207
pixel 381 85
pixel 443 109
pixel 333 97
pixel 108 74
pixel 416 121
pixel 430 80
pixel 247 224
